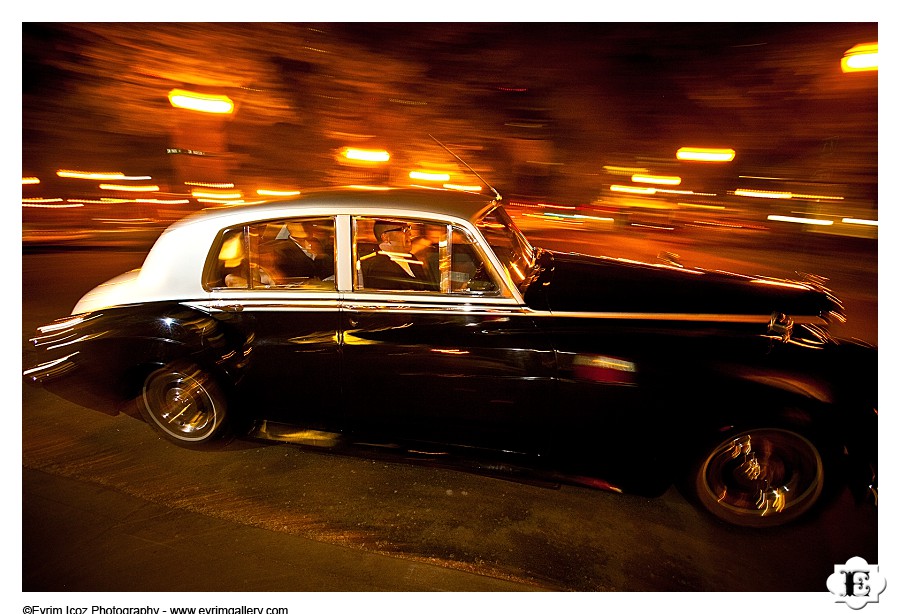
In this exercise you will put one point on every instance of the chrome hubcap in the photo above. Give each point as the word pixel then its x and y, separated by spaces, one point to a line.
pixel 764 472
pixel 180 404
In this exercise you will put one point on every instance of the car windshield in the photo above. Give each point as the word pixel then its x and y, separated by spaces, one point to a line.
pixel 512 248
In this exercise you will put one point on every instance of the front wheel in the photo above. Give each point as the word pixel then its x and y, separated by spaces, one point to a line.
pixel 185 405
pixel 761 477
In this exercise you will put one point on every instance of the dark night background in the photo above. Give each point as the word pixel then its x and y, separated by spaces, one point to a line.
pixel 540 108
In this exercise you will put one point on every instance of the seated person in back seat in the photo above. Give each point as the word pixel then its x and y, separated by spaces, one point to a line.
pixel 299 254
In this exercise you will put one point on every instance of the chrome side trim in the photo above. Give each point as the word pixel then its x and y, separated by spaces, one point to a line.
pixel 405 306
pixel 735 318
pixel 264 304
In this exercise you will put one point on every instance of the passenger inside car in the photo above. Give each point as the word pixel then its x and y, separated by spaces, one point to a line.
pixel 393 266
pixel 296 253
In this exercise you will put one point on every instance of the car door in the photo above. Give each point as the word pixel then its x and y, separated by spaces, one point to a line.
pixel 284 317
pixel 453 361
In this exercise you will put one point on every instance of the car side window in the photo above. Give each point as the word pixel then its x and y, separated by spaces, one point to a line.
pixel 231 266
pixel 293 253
pixel 414 255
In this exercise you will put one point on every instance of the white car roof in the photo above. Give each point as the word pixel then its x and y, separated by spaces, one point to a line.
pixel 173 269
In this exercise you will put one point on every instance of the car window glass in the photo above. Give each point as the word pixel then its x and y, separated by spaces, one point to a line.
pixel 419 256
pixel 296 253
pixel 279 254
pixel 509 244
pixel 468 271
pixel 384 258
pixel 231 266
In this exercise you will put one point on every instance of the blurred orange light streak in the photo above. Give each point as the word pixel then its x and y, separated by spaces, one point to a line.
pixel 102 176
pixel 800 220
pixel 129 188
pixel 463 188
pixel 762 193
pixel 700 154
pixel 162 201
pixel 624 170
pixel 774 282
pixel 656 179
pixel 366 155
pixel 632 189
pixel 216 195
pixel 853 220
pixel 265 192
pixel 200 184
pixel 425 176
pixel 30 180
pixel 52 206
pixel 860 58
pixel 204 103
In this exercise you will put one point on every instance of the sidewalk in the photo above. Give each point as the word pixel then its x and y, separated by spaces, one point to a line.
pixel 80 536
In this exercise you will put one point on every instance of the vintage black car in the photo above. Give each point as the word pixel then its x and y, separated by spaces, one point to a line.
pixel 423 321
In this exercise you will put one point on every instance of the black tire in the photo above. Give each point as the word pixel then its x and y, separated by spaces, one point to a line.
pixel 760 477
pixel 185 405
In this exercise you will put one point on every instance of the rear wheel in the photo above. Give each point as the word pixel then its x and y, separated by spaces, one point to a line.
pixel 185 405
pixel 760 477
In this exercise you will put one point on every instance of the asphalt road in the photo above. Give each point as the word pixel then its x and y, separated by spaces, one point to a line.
pixel 107 506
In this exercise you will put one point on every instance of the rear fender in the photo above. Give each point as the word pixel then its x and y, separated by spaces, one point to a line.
pixel 108 354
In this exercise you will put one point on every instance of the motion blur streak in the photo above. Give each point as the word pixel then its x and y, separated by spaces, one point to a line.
pixel 862 57
pixel 205 103
pixel 699 154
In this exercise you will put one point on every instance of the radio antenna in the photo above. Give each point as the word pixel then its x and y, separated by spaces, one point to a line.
pixel 472 170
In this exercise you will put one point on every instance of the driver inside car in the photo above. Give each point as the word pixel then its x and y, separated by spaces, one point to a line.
pixel 392 266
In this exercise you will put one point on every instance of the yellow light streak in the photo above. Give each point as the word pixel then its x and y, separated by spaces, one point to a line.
pixel 853 220
pixel 204 103
pixel 98 201
pixel 681 192
pixel 160 201
pixel 202 184
pixel 51 205
pixel 129 188
pixel 426 176
pixel 463 188
pixel 101 176
pixel 762 193
pixel 697 206
pixel 629 189
pixel 800 220
pixel 624 170
pixel 818 197
pixel 656 179
pixel 859 58
pixel 366 155
pixel 702 154
pixel 30 180
pixel 775 282
pixel 216 195
pixel 267 192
